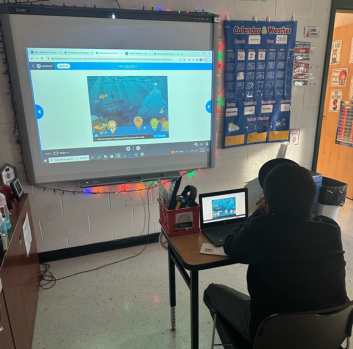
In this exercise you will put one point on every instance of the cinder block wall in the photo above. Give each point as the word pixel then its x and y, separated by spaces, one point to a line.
pixel 63 221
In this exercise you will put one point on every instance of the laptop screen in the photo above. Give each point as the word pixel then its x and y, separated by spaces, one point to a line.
pixel 223 207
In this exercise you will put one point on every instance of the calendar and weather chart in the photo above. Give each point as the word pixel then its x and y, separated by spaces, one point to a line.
pixel 258 82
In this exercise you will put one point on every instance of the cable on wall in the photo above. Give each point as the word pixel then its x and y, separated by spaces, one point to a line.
pixel 48 280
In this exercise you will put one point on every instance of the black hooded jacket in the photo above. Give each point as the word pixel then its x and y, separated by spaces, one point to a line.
pixel 295 265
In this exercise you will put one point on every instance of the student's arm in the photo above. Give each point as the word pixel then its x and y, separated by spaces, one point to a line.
pixel 255 214
pixel 243 246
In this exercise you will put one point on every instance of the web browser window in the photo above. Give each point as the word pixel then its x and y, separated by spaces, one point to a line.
pixel 93 104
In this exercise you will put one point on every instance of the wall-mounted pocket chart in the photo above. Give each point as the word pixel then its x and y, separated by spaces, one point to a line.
pixel 258 83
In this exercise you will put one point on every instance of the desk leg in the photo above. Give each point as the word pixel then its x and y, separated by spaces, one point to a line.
pixel 194 307
pixel 172 293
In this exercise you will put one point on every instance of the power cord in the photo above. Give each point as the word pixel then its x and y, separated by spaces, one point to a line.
pixel 47 277
pixel 118 4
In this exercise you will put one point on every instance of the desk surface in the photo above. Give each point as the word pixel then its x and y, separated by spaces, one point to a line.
pixel 187 248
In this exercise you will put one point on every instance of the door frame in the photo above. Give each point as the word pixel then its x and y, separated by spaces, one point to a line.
pixel 337 5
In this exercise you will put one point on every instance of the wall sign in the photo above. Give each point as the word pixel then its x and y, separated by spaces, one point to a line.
pixel 339 77
pixel 351 89
pixel 259 68
pixel 335 100
pixel 336 50
pixel 312 32
pixel 344 135
pixel 294 136
pixel 301 66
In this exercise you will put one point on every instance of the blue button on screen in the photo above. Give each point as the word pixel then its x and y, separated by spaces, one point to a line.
pixel 39 111
pixel 209 106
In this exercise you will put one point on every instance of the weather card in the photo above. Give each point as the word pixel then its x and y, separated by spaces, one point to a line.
pixel 223 208
pixel 128 107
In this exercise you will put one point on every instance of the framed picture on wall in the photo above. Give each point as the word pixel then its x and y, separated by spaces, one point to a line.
pixel 7 175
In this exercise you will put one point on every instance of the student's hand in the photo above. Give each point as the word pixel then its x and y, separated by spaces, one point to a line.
pixel 262 205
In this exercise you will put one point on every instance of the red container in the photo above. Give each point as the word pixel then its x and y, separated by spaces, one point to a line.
pixel 179 222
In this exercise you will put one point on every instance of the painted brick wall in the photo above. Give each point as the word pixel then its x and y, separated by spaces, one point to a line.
pixel 68 220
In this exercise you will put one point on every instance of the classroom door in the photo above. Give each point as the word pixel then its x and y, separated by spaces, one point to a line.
pixel 335 158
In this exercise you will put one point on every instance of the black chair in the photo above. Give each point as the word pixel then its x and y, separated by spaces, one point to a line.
pixel 323 329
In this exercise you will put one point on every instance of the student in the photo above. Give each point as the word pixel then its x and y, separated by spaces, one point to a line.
pixel 295 262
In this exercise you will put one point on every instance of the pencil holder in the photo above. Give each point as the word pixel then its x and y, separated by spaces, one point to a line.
pixel 179 222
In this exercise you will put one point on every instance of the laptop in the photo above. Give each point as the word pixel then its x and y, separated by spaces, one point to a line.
pixel 222 212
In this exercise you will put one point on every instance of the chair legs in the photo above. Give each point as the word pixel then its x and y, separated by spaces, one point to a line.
pixel 213 344
pixel 213 330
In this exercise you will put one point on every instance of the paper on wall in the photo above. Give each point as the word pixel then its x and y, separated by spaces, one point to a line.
pixel 312 32
pixel 351 55
pixel 335 100
pixel 336 52
pixel 339 77
pixel 294 136
pixel 351 90
pixel 212 249
pixel 27 236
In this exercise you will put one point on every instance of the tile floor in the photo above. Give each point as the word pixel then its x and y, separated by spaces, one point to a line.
pixel 126 305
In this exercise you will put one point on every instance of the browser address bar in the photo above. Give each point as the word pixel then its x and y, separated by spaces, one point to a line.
pixel 111 59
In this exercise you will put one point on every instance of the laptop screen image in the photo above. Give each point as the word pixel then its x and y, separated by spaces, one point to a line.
pixel 223 207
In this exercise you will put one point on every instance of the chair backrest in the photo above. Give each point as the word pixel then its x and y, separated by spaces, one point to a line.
pixel 324 329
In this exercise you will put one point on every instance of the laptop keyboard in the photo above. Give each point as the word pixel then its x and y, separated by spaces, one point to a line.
pixel 216 232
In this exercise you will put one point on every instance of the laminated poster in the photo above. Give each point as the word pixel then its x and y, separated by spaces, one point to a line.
pixel 344 135
pixel 258 81
pixel 336 52
pixel 335 100
pixel 339 77
pixel 294 136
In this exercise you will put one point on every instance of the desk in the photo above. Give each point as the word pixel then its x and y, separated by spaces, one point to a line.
pixel 184 253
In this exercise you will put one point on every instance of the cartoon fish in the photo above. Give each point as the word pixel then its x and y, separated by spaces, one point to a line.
pixel 162 111
pixel 102 96
pixel 161 120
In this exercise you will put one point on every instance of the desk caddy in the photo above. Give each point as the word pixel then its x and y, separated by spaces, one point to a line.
pixel 181 221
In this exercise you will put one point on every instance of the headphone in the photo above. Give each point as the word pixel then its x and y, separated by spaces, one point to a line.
pixel 189 194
